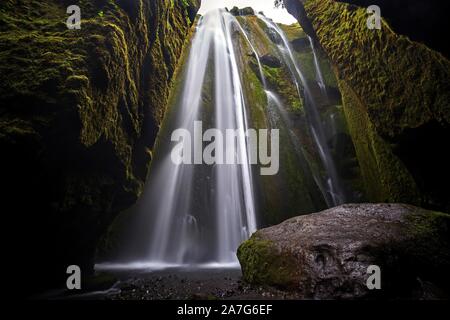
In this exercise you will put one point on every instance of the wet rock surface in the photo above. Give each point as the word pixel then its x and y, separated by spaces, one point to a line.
pixel 271 61
pixel 326 255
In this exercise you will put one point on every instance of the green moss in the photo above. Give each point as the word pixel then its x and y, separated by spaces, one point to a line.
pixel 327 71
pixel 279 80
pixel 261 263
pixel 426 224
pixel 306 60
pixel 293 31
pixel 256 99
pixel 385 177
pixel 428 239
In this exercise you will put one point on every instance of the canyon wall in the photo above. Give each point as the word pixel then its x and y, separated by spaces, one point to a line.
pixel 395 93
pixel 79 114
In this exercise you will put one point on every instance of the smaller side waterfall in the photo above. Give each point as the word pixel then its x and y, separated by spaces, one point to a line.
pixel 255 53
pixel 319 74
pixel 331 187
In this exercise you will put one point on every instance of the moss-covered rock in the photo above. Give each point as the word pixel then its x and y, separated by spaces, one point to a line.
pixel 80 110
pixel 262 263
pixel 326 255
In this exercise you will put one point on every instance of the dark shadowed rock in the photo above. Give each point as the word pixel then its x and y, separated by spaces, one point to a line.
pixel 301 44
pixel 248 11
pixel 270 61
pixel 79 114
pixel 396 127
pixel 327 254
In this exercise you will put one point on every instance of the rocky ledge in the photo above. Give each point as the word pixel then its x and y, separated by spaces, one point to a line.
pixel 326 255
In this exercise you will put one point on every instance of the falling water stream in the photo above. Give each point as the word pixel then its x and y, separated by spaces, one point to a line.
pixel 319 74
pixel 331 187
pixel 201 214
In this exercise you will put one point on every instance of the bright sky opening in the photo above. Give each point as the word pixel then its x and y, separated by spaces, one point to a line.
pixel 267 6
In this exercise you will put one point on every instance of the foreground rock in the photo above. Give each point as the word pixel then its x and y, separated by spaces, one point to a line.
pixel 327 254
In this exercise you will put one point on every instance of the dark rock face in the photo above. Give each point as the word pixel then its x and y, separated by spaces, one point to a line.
pixel 301 45
pixel 270 61
pixel 79 113
pixel 248 11
pixel 326 255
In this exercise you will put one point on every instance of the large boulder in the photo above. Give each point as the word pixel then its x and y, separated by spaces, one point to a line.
pixel 327 254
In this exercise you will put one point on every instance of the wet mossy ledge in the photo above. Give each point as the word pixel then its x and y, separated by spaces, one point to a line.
pixel 80 111
pixel 396 100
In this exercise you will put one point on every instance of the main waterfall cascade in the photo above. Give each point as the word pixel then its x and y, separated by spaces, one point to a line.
pixel 200 214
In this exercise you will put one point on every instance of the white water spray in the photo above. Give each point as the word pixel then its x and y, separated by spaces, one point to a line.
pixel 197 214
pixel 319 75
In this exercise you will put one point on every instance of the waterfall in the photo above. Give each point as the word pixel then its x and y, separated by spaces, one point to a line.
pixel 200 214
pixel 236 217
pixel 319 74
pixel 331 185
pixel 196 215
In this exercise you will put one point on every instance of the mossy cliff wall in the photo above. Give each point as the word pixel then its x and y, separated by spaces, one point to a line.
pixel 79 113
pixel 396 100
